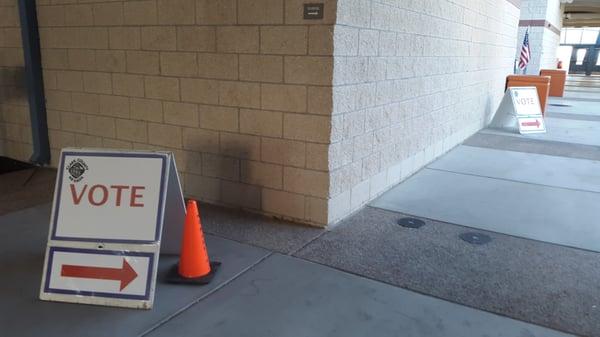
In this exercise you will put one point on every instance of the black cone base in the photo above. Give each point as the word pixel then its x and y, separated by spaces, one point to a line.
pixel 174 277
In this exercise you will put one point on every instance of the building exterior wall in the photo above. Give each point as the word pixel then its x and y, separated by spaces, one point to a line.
pixel 15 130
pixel 543 40
pixel 237 89
pixel 302 119
pixel 411 79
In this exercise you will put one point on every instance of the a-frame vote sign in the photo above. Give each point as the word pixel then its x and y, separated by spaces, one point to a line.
pixel 112 211
pixel 520 111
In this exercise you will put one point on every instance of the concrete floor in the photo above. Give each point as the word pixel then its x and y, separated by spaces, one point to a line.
pixel 562 104
pixel 26 188
pixel 531 281
pixel 579 87
pixel 538 276
pixel 257 292
pixel 550 214
pixel 543 190
pixel 567 130
pixel 499 187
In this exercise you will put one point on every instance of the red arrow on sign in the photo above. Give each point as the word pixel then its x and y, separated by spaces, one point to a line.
pixel 125 274
pixel 536 123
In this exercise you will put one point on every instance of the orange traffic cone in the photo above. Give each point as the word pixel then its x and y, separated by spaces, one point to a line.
pixel 194 266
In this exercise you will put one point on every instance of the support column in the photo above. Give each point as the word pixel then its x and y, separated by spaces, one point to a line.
pixel 35 85
pixel 543 18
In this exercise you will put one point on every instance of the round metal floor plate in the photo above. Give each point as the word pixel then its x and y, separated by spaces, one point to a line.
pixel 475 238
pixel 411 223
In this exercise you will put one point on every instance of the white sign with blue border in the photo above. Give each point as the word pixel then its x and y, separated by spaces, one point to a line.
pixel 111 212
pixel 520 111
pixel 527 107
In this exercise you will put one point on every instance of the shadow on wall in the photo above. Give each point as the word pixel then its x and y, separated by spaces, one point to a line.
pixel 224 178
pixel 489 111
pixel 12 84
pixel 235 163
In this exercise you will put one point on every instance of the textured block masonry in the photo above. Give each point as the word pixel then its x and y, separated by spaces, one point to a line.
pixel 264 110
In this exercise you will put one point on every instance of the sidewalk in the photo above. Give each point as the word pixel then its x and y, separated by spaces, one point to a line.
pixel 536 197
pixel 258 292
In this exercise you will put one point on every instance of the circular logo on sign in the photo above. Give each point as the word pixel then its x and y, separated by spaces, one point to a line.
pixel 76 169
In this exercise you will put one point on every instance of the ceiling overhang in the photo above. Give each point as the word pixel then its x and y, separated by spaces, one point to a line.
pixel 581 13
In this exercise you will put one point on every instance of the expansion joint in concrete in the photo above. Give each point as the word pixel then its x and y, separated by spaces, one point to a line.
pixel 199 299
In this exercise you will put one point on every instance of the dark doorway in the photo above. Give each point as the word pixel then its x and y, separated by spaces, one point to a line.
pixel 584 60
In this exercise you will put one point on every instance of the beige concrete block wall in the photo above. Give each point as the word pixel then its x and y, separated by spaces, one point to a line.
pixel 302 119
pixel 15 131
pixel 237 89
pixel 412 79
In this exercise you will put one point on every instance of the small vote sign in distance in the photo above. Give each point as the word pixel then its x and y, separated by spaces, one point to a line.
pixel 107 225
pixel 525 101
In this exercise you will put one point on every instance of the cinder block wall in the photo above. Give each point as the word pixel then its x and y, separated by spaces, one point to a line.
pixel 412 79
pixel 15 130
pixel 302 119
pixel 239 90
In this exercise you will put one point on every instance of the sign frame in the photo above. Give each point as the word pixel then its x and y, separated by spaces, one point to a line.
pixel 508 117
pixel 170 214
pixel 514 93
pixel 54 249
pixel 58 191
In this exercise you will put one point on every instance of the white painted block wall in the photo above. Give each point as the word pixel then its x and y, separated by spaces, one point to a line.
pixel 411 80
pixel 543 41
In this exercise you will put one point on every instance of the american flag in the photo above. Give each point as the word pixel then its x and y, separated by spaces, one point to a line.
pixel 525 52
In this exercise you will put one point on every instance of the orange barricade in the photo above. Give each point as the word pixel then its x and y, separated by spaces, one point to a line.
pixel 557 81
pixel 542 83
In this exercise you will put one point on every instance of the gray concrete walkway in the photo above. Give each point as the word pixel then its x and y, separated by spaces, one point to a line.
pixel 256 293
pixel 543 196
pixel 535 197
pixel 541 190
